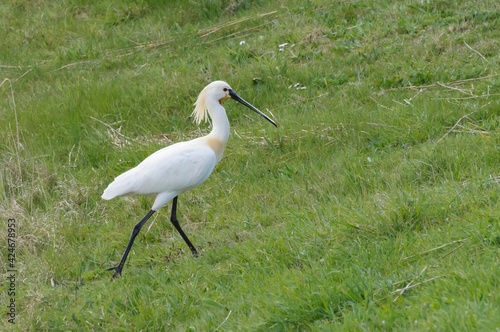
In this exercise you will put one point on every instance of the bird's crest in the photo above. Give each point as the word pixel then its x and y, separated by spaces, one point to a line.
pixel 200 112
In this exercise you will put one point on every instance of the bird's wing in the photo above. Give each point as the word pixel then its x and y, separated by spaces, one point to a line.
pixel 176 168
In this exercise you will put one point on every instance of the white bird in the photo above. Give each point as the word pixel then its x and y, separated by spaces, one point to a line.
pixel 180 167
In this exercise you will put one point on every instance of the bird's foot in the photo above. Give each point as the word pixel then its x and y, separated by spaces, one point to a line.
pixel 118 271
pixel 194 252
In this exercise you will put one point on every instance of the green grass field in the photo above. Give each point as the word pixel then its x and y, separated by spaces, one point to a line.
pixel 373 206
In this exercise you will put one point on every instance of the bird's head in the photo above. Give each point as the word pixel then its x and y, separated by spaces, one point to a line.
pixel 219 90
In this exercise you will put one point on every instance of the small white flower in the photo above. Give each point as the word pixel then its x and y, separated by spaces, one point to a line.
pixel 243 42
pixel 297 87
pixel 282 45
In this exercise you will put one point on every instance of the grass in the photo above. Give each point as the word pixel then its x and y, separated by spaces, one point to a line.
pixel 373 206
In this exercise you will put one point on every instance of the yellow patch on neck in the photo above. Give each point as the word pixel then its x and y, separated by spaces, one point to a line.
pixel 226 97
pixel 217 146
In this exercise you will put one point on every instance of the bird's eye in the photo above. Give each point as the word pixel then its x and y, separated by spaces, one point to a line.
pixel 225 89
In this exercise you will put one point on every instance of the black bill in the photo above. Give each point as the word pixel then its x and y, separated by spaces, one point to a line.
pixel 250 106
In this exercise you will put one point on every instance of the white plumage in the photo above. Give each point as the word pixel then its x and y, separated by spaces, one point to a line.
pixel 167 173
pixel 173 170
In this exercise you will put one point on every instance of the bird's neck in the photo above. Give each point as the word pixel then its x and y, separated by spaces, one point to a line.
pixel 220 123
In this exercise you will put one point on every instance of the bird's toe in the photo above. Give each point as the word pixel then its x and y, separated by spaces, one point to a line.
pixel 118 271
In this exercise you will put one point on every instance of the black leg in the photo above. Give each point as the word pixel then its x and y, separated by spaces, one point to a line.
pixel 137 228
pixel 173 219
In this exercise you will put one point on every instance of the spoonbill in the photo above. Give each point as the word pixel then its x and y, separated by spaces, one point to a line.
pixel 180 167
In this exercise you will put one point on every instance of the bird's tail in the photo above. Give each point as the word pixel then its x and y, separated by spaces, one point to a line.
pixel 122 185
pixel 109 193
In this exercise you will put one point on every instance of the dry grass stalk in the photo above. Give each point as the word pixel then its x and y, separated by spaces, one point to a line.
pixel 402 290
pixel 117 138
pixel 456 124
pixel 457 89
pixel 234 34
pixel 208 31
pixel 18 142
pixel 474 51
pixel 415 285
pixel 433 249
pixel 449 83
pixel 452 251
